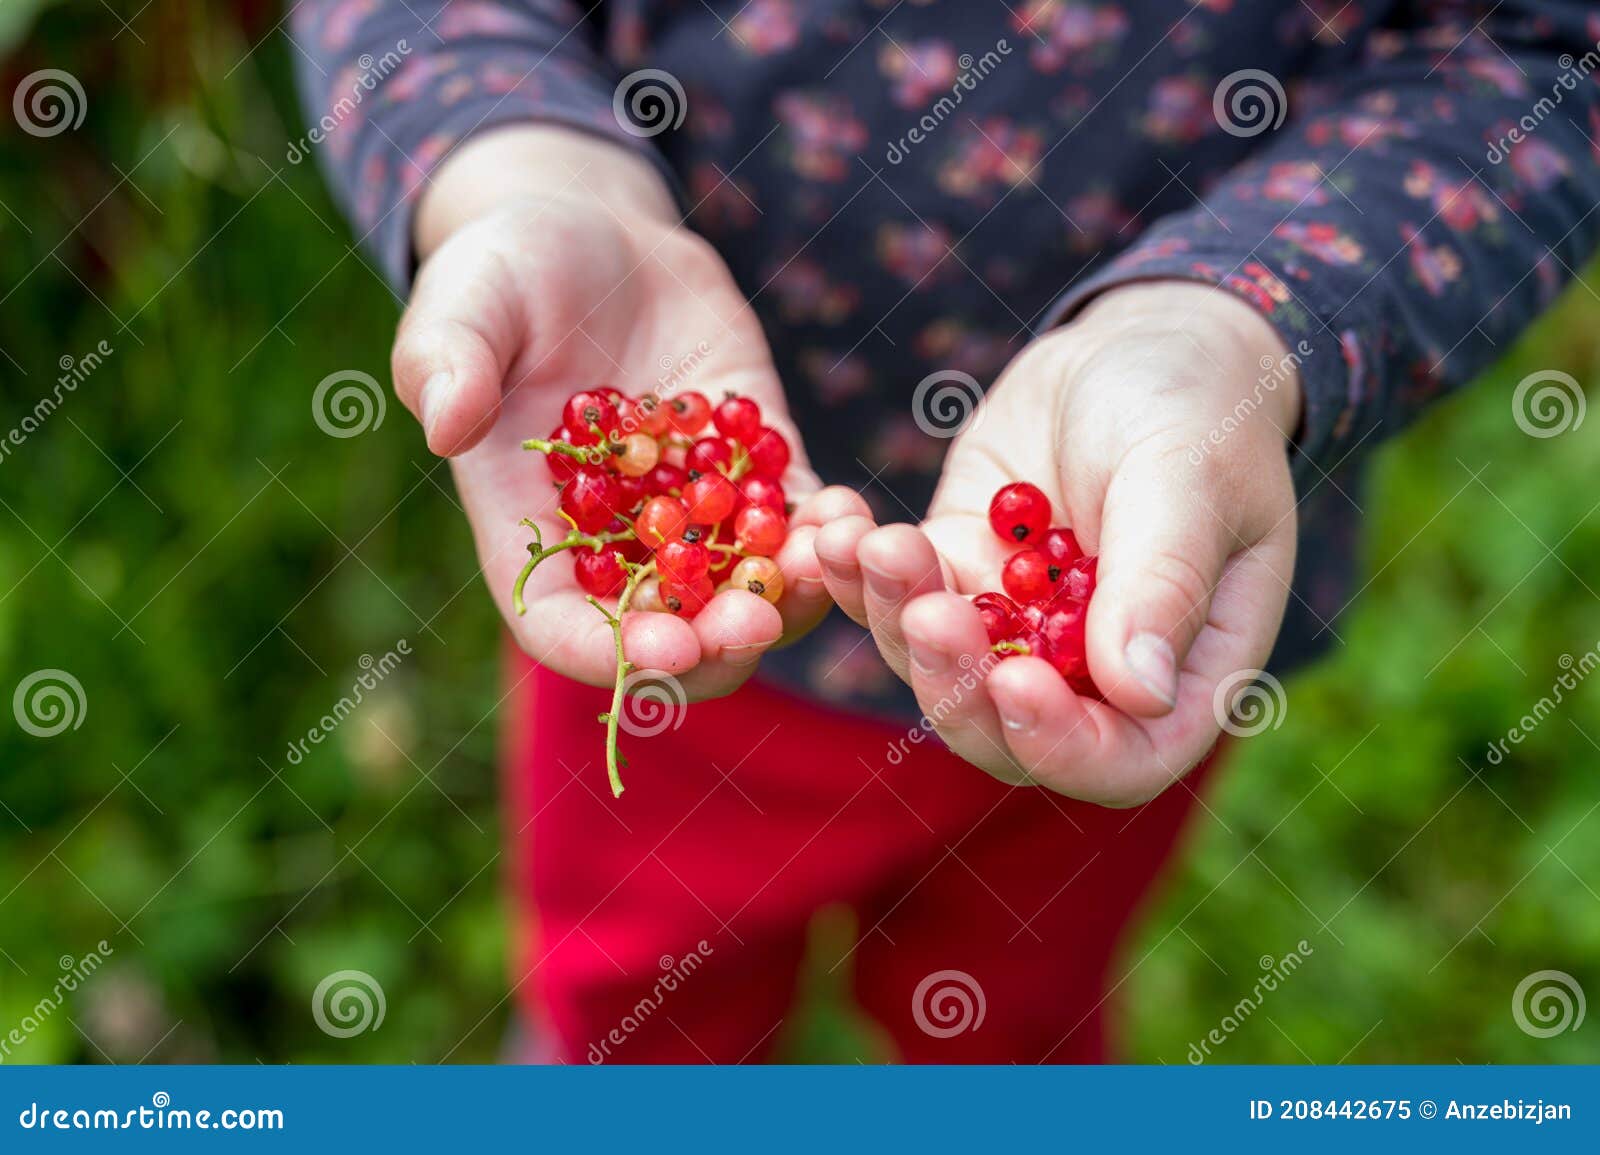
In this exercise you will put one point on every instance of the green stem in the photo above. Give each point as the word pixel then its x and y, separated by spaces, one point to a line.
pixel 586 454
pixel 613 718
pixel 537 552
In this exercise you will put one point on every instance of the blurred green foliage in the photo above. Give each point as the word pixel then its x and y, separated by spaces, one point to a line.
pixel 211 567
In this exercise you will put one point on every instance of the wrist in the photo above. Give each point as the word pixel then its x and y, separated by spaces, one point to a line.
pixel 531 163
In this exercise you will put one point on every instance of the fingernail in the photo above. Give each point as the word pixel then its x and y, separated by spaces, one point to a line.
pixel 886 589
pixel 928 662
pixel 843 574
pixel 435 392
pixel 747 654
pixel 1150 658
pixel 1015 716
pixel 810 586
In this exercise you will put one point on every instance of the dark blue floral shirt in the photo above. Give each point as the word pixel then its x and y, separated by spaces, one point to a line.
pixel 904 187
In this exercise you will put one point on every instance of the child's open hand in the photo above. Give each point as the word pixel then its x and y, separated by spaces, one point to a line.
pixel 553 263
pixel 1157 423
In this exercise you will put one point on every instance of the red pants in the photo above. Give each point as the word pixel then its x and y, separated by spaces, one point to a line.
pixel 669 925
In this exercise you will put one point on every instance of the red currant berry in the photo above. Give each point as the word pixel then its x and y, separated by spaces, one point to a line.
pixel 1078 581
pixel 763 491
pixel 686 601
pixel 585 412
pixel 999 616
pixel 590 499
pixel 759 575
pixel 708 455
pixel 1026 576
pixel 630 492
pixel 636 454
pixel 653 417
pixel 1019 512
pixel 599 572
pixel 683 561
pixel 1065 645
pixel 561 465
pixel 687 413
pixel 737 417
pixel 661 520
pixel 647 597
pixel 710 498
pixel 1060 546
pixel 664 478
pixel 760 530
pixel 769 453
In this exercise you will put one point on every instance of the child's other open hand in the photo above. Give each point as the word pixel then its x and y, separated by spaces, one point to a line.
pixel 1161 440
pixel 553 262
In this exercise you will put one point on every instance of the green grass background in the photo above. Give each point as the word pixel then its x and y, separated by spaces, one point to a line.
pixel 177 509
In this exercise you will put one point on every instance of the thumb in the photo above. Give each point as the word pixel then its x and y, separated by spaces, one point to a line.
pixel 1162 552
pixel 455 346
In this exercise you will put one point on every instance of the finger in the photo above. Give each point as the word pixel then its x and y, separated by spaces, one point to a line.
pixel 455 346
pixel 897 564
pixel 830 504
pixel 837 544
pixel 734 629
pixel 1162 549
pixel 563 631
pixel 1074 745
pixel 949 661
pixel 805 600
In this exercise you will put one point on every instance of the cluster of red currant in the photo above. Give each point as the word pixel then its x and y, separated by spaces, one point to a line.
pixel 1048 584
pixel 670 501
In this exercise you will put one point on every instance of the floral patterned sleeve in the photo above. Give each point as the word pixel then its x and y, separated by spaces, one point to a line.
pixel 390 86
pixel 1463 177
